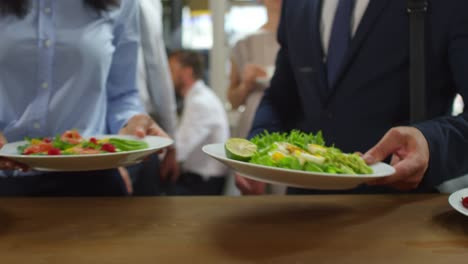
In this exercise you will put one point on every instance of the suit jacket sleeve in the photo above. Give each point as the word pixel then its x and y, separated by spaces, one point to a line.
pixel 280 106
pixel 448 136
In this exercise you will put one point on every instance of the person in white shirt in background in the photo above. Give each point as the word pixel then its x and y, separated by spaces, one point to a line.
pixel 156 91
pixel 203 121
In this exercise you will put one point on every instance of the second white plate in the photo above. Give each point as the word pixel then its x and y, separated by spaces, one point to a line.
pixel 455 200
pixel 297 178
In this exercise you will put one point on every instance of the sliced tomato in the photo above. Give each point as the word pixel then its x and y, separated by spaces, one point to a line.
pixel 33 149
pixel 72 137
pixel 42 147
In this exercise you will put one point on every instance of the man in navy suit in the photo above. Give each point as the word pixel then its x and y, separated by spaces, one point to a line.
pixel 343 68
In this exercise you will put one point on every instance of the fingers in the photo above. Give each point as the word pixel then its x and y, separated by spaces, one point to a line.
pixel 142 125
pixel 248 186
pixel 6 164
pixel 395 160
pixel 175 173
pixel 254 69
pixel 258 188
pixel 126 179
pixel 155 130
pixel 138 126
pixel 252 72
pixel 243 184
pixel 164 170
pixel 169 167
pixel 407 172
pixel 410 158
pixel 174 166
pixel 389 144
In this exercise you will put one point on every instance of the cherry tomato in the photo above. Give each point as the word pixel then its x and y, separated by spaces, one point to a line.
pixel 93 140
pixel 54 152
pixel 38 148
pixel 108 147
pixel 465 202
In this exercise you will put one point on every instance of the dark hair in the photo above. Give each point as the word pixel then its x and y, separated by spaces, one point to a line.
pixel 192 59
pixel 20 7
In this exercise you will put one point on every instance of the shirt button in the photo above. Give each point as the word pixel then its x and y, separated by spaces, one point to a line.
pixel 47 43
pixel 37 125
pixel 47 10
pixel 45 85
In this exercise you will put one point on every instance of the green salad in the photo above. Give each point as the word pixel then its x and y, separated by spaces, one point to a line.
pixel 295 150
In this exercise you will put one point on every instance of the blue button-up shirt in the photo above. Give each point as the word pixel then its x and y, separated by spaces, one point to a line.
pixel 67 66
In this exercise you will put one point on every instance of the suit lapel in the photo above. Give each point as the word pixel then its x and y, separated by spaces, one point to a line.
pixel 372 13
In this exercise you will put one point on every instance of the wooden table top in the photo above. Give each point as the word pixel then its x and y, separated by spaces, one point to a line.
pixel 264 229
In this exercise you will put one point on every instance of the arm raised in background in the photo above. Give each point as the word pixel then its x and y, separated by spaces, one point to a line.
pixel 241 85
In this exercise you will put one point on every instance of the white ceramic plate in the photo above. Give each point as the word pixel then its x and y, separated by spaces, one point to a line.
pixel 455 200
pixel 86 162
pixel 296 178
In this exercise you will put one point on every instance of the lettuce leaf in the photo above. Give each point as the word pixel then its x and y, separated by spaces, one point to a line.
pixel 336 161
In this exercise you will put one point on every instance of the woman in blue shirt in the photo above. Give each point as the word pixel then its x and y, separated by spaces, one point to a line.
pixel 69 64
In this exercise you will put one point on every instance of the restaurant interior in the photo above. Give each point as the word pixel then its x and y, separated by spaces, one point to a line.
pixel 276 190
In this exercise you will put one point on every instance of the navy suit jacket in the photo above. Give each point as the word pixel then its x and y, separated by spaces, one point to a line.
pixel 372 92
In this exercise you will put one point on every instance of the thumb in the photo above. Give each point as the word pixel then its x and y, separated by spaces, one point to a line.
pixel 137 126
pixel 388 145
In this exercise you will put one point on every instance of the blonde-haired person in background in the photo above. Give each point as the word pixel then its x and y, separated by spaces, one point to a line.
pixel 252 59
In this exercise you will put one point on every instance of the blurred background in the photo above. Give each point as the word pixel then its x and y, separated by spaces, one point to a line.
pixel 212 27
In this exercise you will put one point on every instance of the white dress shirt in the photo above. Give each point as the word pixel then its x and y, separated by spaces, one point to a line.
pixel 204 121
pixel 154 80
pixel 328 15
